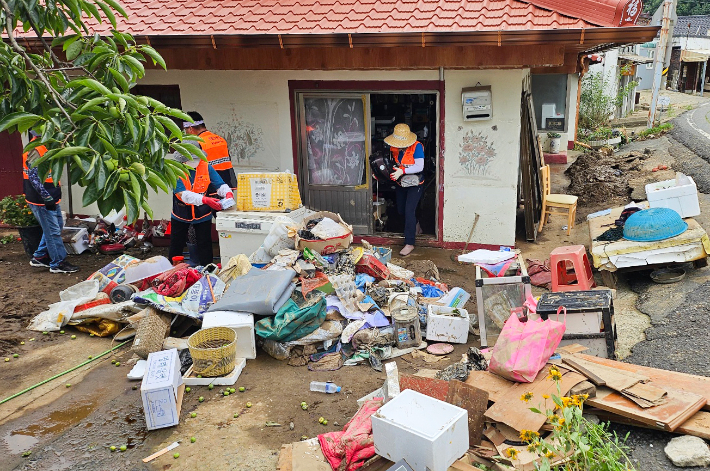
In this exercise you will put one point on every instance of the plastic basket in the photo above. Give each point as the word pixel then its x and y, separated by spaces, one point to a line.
pixel 213 351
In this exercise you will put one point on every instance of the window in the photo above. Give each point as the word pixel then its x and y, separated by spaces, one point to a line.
pixel 549 93
pixel 651 55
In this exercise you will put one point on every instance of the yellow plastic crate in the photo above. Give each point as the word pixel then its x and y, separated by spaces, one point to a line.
pixel 274 191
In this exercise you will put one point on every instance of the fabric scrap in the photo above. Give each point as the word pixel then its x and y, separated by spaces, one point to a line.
pixel 291 322
pixel 327 362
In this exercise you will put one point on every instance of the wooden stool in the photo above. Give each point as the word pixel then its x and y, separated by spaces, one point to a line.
pixel 580 279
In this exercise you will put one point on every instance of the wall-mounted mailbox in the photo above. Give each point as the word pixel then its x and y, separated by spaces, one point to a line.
pixel 477 103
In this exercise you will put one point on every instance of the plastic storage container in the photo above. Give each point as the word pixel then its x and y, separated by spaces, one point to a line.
pixel 241 322
pixel 407 329
pixel 428 433
pixel 680 194
pixel 445 327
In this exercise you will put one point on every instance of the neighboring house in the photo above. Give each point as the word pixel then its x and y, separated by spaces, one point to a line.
pixel 688 70
pixel 314 87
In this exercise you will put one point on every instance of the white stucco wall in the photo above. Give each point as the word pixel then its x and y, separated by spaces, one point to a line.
pixel 258 101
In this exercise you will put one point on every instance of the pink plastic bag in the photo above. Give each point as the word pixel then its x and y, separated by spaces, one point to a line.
pixel 523 348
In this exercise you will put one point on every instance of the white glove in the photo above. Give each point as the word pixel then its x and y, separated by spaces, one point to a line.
pixel 190 197
pixel 396 174
pixel 223 190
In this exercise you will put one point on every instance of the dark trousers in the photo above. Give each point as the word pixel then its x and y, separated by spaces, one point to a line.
pixel 407 201
pixel 203 234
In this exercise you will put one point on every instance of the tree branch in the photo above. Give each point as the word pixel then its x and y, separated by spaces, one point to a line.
pixel 42 77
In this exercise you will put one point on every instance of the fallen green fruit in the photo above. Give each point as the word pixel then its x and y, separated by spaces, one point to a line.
pixel 7 359
pixel 193 414
pixel 201 399
pixel 68 385
pixel 321 420
pixel 236 415
pixel 242 389
pixel 304 406
pixel 112 448
pixel 176 455
pixel 118 363
pixel 90 357
pixel 45 333
pixel 248 405
pixel 61 331
pixel 187 389
pixel 123 448
pixel 15 356
pixel 73 337
pixel 193 439
pixel 325 422
pixel 22 343
pixel 232 390
pixel 210 387
pixel 226 393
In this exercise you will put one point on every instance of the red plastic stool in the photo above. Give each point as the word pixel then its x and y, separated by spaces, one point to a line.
pixel 580 278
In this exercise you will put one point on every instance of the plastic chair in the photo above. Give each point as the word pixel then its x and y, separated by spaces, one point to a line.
pixel 580 278
pixel 568 203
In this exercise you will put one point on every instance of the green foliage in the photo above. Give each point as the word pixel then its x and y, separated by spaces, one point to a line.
pixel 115 142
pixel 575 444
pixel 554 135
pixel 15 211
pixel 657 130
pixel 684 7
pixel 596 107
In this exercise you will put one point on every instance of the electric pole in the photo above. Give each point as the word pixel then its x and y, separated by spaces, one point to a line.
pixel 668 9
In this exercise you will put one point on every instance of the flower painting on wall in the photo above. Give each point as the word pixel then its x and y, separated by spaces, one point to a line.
pixel 245 140
pixel 476 154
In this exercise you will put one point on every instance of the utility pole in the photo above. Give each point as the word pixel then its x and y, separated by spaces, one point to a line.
pixel 668 9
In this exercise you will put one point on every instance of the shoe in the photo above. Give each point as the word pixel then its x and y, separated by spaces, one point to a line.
pixel 64 267
pixel 40 262
pixel 406 250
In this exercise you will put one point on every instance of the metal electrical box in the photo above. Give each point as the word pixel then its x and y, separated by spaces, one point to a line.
pixel 477 103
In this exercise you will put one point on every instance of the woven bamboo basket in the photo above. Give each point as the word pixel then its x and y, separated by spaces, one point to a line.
pixel 150 333
pixel 213 351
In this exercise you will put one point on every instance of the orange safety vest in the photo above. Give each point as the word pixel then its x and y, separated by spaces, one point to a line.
pixel 408 157
pixel 185 211
pixel 217 150
pixel 32 196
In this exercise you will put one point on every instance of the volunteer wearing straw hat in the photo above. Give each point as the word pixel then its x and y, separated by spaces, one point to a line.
pixel 191 207
pixel 408 154
pixel 214 146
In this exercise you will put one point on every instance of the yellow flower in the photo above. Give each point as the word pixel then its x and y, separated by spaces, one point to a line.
pixel 528 435
pixel 526 397
pixel 552 418
pixel 561 420
pixel 566 401
pixel 549 455
pixel 554 374
pixel 511 453
pixel 532 447
pixel 546 396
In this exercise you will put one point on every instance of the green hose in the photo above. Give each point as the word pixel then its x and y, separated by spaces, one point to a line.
pixel 62 374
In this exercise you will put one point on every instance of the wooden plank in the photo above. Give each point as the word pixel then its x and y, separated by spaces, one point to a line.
pixel 680 381
pixel 436 388
pixel 514 412
pixel 613 378
pixel 475 401
pixel 596 380
pixel 678 407
pixel 698 425
pixel 489 382
pixel 285 458
pixel 585 387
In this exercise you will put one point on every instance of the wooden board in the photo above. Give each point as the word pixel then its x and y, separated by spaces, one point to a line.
pixel 514 412
pixel 611 377
pixel 285 458
pixel 678 407
pixel 436 388
pixel 680 381
pixel 591 376
pixel 489 382
pixel 475 401
pixel 698 425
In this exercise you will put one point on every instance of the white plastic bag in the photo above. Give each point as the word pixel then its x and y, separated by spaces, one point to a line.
pixel 329 229
pixel 278 239
pixel 60 313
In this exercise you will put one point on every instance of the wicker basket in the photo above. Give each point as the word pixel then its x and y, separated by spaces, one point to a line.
pixel 150 333
pixel 213 351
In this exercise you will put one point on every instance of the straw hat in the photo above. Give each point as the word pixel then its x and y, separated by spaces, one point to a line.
pixel 401 138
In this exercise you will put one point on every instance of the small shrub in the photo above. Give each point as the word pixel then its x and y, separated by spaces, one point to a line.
pixel 15 211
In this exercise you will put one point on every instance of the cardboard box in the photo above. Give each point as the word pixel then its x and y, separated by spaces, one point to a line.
pixel 428 433
pixel 162 390
pixel 680 195
pixel 328 246
pixel 269 191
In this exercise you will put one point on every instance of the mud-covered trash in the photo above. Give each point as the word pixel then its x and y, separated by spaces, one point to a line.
pixel 460 371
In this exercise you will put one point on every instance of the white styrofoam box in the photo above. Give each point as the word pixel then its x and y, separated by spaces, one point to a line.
pixel 242 232
pixel 243 325
pixel 161 389
pixel 228 380
pixel 76 240
pixel 680 195
pixel 445 328
pixel 428 433
pixel 582 322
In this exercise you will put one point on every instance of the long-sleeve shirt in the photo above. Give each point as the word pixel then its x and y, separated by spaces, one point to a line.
pixel 418 160
pixel 33 176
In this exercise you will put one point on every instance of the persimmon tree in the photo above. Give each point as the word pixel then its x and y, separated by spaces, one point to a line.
pixel 73 87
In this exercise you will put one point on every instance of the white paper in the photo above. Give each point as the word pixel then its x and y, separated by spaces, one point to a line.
pixel 261 192
pixel 490 257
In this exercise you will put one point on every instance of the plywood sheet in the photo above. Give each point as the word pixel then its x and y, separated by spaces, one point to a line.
pixel 475 401
pixel 490 382
pixel 680 381
pixel 698 425
pixel 678 407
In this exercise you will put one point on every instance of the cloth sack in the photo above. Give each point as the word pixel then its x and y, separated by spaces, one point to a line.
pixel 292 322
pixel 523 348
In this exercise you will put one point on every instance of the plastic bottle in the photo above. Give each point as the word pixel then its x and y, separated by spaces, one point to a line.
pixel 328 387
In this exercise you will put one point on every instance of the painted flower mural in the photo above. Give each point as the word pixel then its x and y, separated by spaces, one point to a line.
pixel 476 154
pixel 244 139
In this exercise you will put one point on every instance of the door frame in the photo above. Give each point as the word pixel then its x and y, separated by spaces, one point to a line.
pixel 296 87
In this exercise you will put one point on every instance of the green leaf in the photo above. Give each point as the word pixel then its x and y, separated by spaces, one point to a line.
pixel 132 210
pixel 170 124
pixel 135 186
pixel 175 113
pixel 74 50
pixel 90 83
pixel 109 147
pixel 535 410
pixel 57 169
pixel 105 205
pixel 120 79
pixel 91 194
pixel 558 401
pixel 115 5
pixel 134 63
pixel 111 182
pixel 107 11
pixel 22 120
pixel 157 58
pixel 63 152
pixel 93 102
pixel 101 174
pixel 147 209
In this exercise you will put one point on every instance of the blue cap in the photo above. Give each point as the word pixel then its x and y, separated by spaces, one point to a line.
pixel 338 389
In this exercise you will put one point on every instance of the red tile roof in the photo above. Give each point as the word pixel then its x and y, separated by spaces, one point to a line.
pixel 247 17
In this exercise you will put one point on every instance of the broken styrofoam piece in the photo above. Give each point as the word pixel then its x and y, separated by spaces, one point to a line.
pixel 391 387
pixel 137 371
pixel 376 393
pixel 226 380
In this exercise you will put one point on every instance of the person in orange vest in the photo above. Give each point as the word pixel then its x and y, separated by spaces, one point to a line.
pixel 408 155
pixel 214 146
pixel 43 199
pixel 192 207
